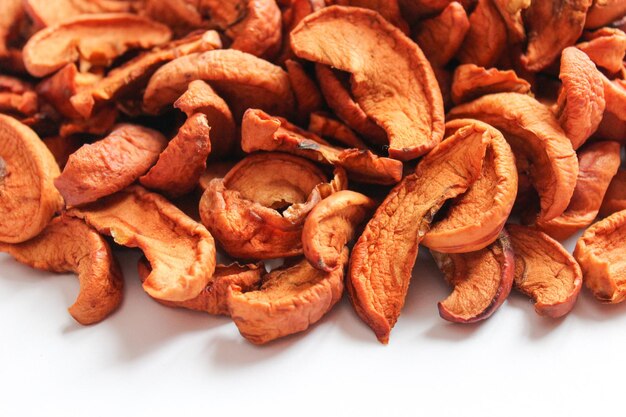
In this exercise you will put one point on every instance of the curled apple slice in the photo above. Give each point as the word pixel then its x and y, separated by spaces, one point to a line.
pixel 471 81
pixel 615 197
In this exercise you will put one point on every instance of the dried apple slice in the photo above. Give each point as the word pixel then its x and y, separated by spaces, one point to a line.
pixel 289 301
pixel 615 197
pixel 581 103
pixel 475 219
pixel 214 170
pixel 384 255
pixel 17 97
pixel 308 96
pixel 45 13
pixel 544 271
pixel 69 245
pixel 391 79
pixel 486 38
pixel 97 39
pixel 331 225
pixel 181 251
pixel 538 142
pixel 482 280
pixel 243 80
pixel 471 81
pixel 260 131
pixel 28 198
pixel 551 26
pixel 603 12
pixel 389 9
pixel 598 163
pixel 605 47
pixel 109 165
pixel 600 253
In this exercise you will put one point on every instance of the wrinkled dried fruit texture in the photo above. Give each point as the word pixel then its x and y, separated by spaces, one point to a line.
pixel 214 297
pixel 181 251
pixel 552 25
pixel 331 225
pixel 243 80
pixel 545 271
pixel 615 97
pixel 603 12
pixel 109 165
pixel 293 12
pixel 17 97
pixel 28 198
pixel 581 101
pixel 308 96
pixel 180 165
pixel 475 219
pixel 598 163
pixel 389 9
pixel 289 301
pixel 214 170
pixel 471 81
pixel 606 48
pixel 615 197
pixel 99 124
pixel 391 79
pixel 486 38
pixel 262 132
pixel 253 25
pixel 96 39
pixel 413 10
pixel 12 13
pixel 482 280
pixel 511 12
pixel 132 76
pixel 325 126
pixel 182 16
pixel 46 13
pixel 69 245
pixel 61 148
pixel 61 86
pixel 441 37
pixel 201 98
pixel 538 143
pixel 335 88
pixel 384 255
pixel 243 210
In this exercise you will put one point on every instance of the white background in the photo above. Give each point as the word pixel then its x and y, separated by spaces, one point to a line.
pixel 151 360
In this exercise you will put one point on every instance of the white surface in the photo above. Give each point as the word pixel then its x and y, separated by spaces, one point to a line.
pixel 151 360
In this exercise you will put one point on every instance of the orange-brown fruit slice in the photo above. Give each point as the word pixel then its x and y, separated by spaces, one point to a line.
pixel 325 126
pixel 544 271
pixel 606 48
pixel 603 12
pixel 486 38
pixel 615 197
pixel 471 81
pixel 45 13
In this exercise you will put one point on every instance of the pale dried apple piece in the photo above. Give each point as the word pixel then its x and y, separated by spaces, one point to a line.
pixel 308 96
pixel 545 271
pixel 581 103
pixel 486 38
pixel 537 141
pixel 290 300
pixel 441 37
pixel 605 47
pixel 482 280
pixel 109 165
pixel 214 297
pixel 391 79
pixel 243 80
pixel 69 245
pixel 384 255
pixel 331 225
pixel 325 126
pixel 28 198
pixel 181 251
pixel 615 197
pixel 97 39
pixel 471 81
pixel 260 131
pixel 552 25
pixel 598 163
pixel 476 218
pixel 46 13
pixel 603 12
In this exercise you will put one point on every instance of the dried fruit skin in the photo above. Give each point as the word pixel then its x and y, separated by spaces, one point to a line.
pixel 552 25
pixel 603 12
pixel 59 87
pixel 441 37
pixel 471 81
pixel 476 218
pixel 486 38
pixel 606 48
pixel 45 13
pixel 17 97
pixel 384 255
pixel 545 271
pixel 598 163
pixel 308 96
pixel 243 80
pixel 409 107
pixel 581 101
pixel 181 252
pixel 179 167
pixel 331 225
pixel 325 126
pixel 98 39
pixel 109 165
pixel 482 280
pixel 69 245
pixel 389 9
pixel 28 199
pixel 615 197
pixel 290 300
pixel 537 141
